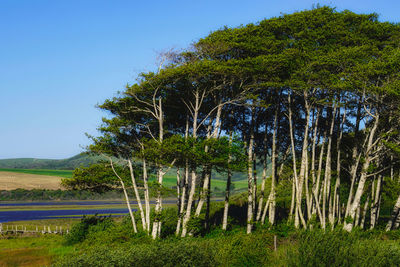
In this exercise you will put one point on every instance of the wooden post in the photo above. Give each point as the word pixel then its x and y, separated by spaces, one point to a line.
pixel 275 242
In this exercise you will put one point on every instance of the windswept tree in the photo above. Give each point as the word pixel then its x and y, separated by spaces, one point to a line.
pixel 312 97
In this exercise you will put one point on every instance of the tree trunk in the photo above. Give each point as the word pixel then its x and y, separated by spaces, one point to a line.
pixel 274 156
pixel 376 203
pixel 146 195
pixel 228 188
pixel 183 198
pixel 138 200
pixel 160 174
pixel 250 182
pixel 364 213
pixel 126 197
pixel 394 221
pixel 293 206
pixel 355 158
pixel 261 199
pixel 186 218
pixel 185 185
pixel 338 167
pixel 328 174
pixel 206 183
pixel 158 206
pixel 357 197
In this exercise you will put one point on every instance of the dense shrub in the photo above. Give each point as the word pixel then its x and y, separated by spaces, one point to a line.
pixel 182 253
pixel 217 249
pixel 339 248
pixel 87 224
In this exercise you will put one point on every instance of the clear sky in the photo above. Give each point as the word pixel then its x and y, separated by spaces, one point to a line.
pixel 59 58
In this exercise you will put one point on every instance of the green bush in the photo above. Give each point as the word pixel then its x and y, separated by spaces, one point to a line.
pixel 182 253
pixel 87 224
pixel 340 248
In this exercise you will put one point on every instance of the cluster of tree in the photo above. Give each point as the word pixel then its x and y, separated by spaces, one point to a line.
pixel 315 93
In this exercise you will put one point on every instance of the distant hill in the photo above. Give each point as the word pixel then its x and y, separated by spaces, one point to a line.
pixel 50 164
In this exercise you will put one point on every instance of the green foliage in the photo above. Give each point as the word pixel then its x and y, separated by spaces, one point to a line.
pixel 348 219
pixel 232 249
pixel 196 225
pixel 97 177
pixel 339 248
pixel 87 225
pixel 182 253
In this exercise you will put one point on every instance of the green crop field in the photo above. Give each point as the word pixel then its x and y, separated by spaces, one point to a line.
pixel 170 181
pixel 58 173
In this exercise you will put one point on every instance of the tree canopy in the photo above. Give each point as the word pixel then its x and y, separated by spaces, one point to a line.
pixel 314 95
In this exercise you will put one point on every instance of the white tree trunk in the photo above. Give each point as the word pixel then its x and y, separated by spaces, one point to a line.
pixel 250 182
pixel 394 221
pixel 138 199
pixel 128 204
pixel 228 189
pixel 146 195
pixel 376 203
pixel 360 188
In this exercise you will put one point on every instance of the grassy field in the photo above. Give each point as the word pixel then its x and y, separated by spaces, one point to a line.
pixel 216 185
pixel 51 179
pixel 31 251
pixel 15 180
pixel 57 173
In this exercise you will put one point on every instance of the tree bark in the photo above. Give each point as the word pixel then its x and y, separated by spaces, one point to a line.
pixel 250 181
pixel 376 203
pixel 126 197
pixel 138 199
pixel 227 189
pixel 146 195
pixel 394 221
pixel 357 197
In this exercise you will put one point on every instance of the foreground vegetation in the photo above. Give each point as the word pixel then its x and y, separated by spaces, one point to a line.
pixel 103 241
pixel 106 241
pixel 236 248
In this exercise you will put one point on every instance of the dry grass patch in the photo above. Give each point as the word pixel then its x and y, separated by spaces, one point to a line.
pixel 25 257
pixel 13 180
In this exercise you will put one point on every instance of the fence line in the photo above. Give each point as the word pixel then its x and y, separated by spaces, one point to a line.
pixel 21 229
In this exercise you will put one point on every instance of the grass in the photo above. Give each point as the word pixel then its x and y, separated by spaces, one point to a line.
pixel 57 173
pixel 220 185
pixel 14 180
pixel 31 250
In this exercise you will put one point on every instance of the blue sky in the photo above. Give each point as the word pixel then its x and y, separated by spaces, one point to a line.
pixel 58 59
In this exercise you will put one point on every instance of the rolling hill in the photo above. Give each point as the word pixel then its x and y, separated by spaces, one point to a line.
pixel 49 164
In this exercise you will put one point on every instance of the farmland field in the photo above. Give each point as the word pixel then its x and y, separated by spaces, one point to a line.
pixel 11 179
pixel 14 180
pixel 57 173
pixel 216 185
